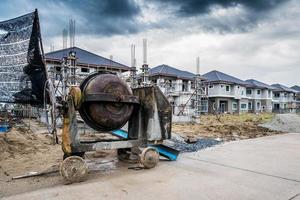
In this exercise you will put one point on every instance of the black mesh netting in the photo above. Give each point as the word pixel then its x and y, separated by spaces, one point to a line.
pixel 22 69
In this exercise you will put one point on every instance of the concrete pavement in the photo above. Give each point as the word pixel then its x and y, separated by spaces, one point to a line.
pixel 262 168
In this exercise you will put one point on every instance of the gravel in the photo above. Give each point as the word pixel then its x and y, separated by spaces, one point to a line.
pixel 285 123
pixel 179 144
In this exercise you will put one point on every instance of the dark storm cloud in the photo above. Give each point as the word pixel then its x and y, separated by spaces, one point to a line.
pixel 198 7
pixel 95 17
pixel 105 17
pixel 254 12
pixel 121 17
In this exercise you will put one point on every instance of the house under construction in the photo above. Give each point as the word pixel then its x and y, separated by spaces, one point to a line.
pixel 70 66
pixel 182 89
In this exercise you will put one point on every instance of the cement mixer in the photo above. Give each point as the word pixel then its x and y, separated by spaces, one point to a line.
pixel 106 103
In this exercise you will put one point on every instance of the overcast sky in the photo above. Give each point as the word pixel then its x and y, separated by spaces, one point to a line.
pixel 257 39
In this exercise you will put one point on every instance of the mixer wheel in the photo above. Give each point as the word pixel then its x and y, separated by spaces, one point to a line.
pixel 149 157
pixel 74 169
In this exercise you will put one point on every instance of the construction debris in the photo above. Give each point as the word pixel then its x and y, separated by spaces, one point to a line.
pixel 179 144
pixel 190 140
pixel 227 128
pixel 52 169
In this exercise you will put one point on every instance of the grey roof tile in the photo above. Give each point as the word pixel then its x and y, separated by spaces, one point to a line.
pixel 283 88
pixel 217 76
pixel 167 70
pixel 296 87
pixel 258 84
pixel 85 57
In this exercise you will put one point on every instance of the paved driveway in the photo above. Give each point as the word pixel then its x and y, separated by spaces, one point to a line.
pixel 263 168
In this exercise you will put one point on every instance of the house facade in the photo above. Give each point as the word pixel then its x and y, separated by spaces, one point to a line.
pixel 224 93
pixel 81 63
pixel 178 86
pixel 227 94
pixel 297 89
pixel 284 99
pixel 259 96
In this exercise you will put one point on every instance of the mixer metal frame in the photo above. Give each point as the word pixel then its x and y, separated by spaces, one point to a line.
pixel 72 145
pixel 150 122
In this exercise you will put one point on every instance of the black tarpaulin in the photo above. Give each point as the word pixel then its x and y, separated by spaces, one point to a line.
pixel 22 68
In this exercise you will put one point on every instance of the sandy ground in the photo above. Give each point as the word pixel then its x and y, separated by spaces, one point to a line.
pixel 265 168
pixel 227 127
pixel 24 150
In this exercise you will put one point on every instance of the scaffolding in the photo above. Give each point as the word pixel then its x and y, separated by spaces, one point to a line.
pixel 198 89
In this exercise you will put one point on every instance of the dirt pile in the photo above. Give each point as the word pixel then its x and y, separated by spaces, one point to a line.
pixel 27 148
pixel 23 149
pixel 284 122
pixel 227 128
pixel 20 141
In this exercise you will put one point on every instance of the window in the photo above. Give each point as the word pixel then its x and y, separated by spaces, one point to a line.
pixel 173 106
pixel 234 106
pixel 276 106
pixel 249 91
pixel 285 94
pixel 227 88
pixel 193 104
pixel 193 85
pixel 250 105
pixel 184 86
pixel 211 86
pixel 85 70
pixel 243 106
pixel 258 92
pixel 258 106
pixel 204 106
pixel 221 86
pixel 168 85
pixel 242 92
pixel 276 94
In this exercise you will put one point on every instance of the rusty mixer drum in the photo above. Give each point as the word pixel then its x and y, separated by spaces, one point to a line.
pixel 104 107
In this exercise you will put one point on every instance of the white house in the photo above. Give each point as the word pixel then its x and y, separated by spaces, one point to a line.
pixel 297 89
pixel 227 94
pixel 284 99
pixel 260 96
